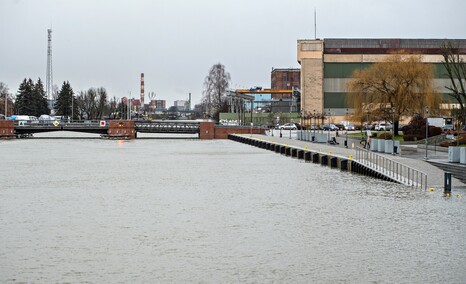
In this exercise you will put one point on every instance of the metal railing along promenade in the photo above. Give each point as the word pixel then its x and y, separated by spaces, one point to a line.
pixel 391 168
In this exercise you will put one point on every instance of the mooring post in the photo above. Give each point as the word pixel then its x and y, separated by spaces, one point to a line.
pixel 447 182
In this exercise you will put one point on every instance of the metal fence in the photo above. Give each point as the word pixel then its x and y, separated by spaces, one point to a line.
pixel 392 169
pixel 189 127
pixel 60 122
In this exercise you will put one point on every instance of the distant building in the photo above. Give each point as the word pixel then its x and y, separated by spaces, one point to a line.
pixel 181 105
pixel 157 105
pixel 285 79
pixel 327 66
pixel 135 104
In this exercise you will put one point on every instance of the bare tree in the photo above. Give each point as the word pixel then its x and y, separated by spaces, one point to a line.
pixel 6 104
pixel 102 103
pixel 215 86
pixel 87 103
pixel 92 104
pixel 400 85
pixel 456 70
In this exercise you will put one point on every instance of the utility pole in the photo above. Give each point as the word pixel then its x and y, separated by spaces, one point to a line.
pixel 393 132
pixel 427 130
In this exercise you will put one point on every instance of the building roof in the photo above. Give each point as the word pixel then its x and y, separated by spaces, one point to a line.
pixel 386 45
pixel 286 70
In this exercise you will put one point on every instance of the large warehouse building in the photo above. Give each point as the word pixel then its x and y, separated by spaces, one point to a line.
pixel 327 65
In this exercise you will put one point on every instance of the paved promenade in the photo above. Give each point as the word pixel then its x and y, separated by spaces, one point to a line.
pixel 435 176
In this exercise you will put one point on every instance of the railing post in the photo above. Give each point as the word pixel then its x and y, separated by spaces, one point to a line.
pixel 398 176
pixel 402 175
pixel 408 176
pixel 405 174
pixel 425 184
pixel 417 179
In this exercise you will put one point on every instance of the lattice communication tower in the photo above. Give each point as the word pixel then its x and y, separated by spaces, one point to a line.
pixel 49 77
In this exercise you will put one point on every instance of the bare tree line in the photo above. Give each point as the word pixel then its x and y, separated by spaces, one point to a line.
pixel 93 104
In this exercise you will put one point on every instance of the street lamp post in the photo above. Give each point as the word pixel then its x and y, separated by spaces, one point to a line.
pixel 393 132
pixel 346 132
pixel 315 125
pixel 291 127
pixel 328 130
pixel 427 129
pixel 367 119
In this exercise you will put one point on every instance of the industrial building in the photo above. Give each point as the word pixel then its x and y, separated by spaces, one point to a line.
pixel 327 66
pixel 181 105
pixel 157 105
pixel 285 79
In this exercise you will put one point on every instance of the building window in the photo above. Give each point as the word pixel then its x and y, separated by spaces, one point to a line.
pixel 311 46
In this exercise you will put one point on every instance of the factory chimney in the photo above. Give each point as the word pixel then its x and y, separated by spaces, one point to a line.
pixel 142 90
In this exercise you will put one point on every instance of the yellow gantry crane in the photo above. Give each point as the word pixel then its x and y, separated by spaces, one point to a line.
pixel 262 91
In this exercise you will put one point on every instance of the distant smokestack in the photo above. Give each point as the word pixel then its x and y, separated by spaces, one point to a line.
pixel 189 102
pixel 142 89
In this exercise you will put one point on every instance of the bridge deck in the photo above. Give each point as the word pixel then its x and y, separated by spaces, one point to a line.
pixel 102 127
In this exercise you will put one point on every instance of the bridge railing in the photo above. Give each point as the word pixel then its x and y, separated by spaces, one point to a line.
pixel 60 122
pixel 392 169
pixel 168 126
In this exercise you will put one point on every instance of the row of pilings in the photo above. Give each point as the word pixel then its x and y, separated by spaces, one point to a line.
pixel 325 159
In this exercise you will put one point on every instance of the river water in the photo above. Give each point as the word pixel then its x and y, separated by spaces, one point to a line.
pixel 177 211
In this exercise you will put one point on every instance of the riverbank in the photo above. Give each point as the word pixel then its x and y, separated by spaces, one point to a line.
pixel 415 160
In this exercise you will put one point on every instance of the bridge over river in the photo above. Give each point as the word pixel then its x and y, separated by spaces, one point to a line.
pixel 125 129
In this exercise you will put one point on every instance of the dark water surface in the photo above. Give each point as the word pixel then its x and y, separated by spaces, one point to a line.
pixel 171 211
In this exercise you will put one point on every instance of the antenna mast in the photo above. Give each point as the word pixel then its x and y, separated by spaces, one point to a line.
pixel 49 80
pixel 315 24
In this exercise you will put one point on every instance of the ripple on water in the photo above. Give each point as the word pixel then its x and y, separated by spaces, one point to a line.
pixel 213 211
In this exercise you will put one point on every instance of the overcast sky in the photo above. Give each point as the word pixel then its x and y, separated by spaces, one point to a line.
pixel 175 42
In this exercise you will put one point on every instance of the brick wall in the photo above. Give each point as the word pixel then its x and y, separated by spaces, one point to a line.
pixel 121 129
pixel 7 129
pixel 208 130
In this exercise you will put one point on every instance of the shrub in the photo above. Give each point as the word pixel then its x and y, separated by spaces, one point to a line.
pixel 461 139
pixel 385 135
pixel 434 131
pixel 411 137
pixel 417 127
pixel 447 143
